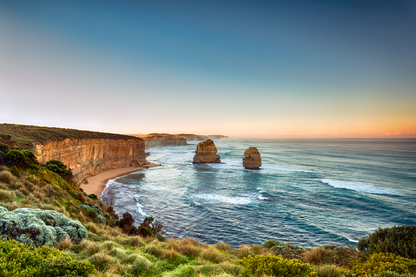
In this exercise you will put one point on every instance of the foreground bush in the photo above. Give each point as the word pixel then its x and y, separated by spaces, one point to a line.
pixel 39 227
pixel 400 240
pixel 381 262
pixel 20 260
pixel 275 266
pixel 287 250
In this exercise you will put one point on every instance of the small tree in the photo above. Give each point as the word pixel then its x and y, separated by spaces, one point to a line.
pixel 59 168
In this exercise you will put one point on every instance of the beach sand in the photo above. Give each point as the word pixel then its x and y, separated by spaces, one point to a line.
pixel 97 183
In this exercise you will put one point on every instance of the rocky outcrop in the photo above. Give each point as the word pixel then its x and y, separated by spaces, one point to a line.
pixel 206 152
pixel 87 157
pixel 192 137
pixel 160 140
pixel 252 158
pixel 39 227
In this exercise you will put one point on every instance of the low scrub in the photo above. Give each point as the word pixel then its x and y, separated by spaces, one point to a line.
pixel 382 262
pixel 20 260
pixel 400 240
pixel 275 266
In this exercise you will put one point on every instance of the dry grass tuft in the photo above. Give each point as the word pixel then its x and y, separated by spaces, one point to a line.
pixel 140 265
pixel 134 241
pixel 212 255
pixel 64 244
pixel 154 250
pixel 101 260
pixel 6 177
pixel 315 255
pixel 243 251
pixel 89 247
pixel 224 247
pixel 6 195
pixel 172 254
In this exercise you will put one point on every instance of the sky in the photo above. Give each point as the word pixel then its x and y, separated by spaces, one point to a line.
pixel 239 68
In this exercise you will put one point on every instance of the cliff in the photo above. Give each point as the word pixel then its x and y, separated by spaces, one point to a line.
pixel 217 136
pixel 160 140
pixel 192 137
pixel 85 153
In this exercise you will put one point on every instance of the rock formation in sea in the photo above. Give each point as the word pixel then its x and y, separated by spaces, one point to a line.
pixel 206 152
pixel 252 158
pixel 160 140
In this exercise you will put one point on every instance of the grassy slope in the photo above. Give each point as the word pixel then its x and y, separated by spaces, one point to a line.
pixel 114 253
pixel 26 135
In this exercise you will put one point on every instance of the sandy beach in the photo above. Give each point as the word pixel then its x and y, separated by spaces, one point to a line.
pixel 96 184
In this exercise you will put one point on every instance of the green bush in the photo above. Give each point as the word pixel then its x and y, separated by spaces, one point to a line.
pixel 20 158
pixel 381 262
pixel 21 260
pixel 275 266
pixel 287 250
pixel 400 240
pixel 59 168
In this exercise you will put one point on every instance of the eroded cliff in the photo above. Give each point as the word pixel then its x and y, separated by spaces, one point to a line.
pixel 160 140
pixel 85 153
pixel 88 157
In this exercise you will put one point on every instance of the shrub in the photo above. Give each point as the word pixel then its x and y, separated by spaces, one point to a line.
pixel 59 168
pixel 126 222
pixel 39 227
pixel 381 262
pixel 6 177
pixel 20 158
pixel 400 240
pixel 287 250
pixel 20 260
pixel 95 212
pixel 275 266
pixel 329 271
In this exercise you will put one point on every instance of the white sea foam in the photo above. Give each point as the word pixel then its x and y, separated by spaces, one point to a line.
pixel 139 206
pixel 225 199
pixel 357 186
pixel 150 187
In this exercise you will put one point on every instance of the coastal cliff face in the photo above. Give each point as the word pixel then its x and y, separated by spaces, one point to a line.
pixel 87 157
pixel 160 140
pixel 206 152
pixel 192 137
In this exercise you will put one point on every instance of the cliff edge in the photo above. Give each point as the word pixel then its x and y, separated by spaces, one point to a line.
pixel 86 153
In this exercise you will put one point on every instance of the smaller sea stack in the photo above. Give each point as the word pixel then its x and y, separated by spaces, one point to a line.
pixel 206 152
pixel 252 158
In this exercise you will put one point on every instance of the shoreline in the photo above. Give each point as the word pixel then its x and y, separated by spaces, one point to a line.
pixel 96 184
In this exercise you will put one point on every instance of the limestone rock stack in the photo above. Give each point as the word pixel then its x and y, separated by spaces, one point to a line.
pixel 252 158
pixel 206 152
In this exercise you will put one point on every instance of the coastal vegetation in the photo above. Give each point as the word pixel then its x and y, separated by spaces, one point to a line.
pixel 112 245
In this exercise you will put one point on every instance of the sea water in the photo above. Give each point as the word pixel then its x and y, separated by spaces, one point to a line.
pixel 308 192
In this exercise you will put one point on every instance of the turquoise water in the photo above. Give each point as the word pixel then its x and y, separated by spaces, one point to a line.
pixel 311 192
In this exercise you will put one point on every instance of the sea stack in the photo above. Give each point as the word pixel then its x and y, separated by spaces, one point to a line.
pixel 252 159
pixel 206 152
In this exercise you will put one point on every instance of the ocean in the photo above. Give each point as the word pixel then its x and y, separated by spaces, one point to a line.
pixel 310 192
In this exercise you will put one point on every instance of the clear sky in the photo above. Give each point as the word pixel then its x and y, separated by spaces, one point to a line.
pixel 240 68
